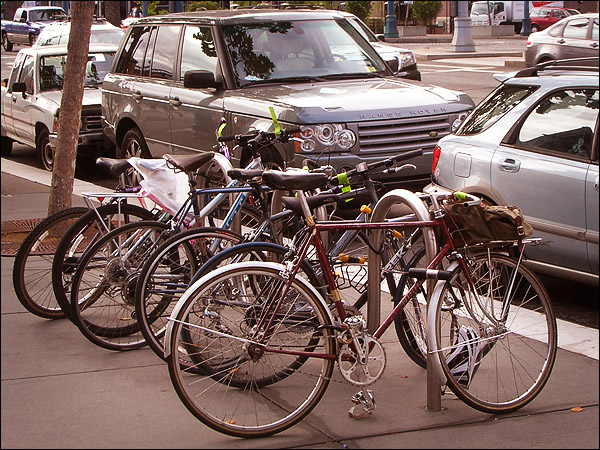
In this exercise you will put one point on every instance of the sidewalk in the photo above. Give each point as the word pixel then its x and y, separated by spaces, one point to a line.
pixel 61 391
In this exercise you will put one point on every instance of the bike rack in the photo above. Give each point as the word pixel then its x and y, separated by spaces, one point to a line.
pixel 379 214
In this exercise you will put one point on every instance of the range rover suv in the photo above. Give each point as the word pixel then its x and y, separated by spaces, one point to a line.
pixel 176 76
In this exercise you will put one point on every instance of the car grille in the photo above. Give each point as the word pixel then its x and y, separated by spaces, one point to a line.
pixel 91 120
pixel 402 134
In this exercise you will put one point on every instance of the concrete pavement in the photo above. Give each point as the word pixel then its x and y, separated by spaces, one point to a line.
pixel 60 390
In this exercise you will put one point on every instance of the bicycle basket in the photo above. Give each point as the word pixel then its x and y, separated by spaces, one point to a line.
pixel 475 224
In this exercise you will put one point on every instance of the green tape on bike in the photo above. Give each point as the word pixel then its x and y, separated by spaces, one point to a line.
pixel 221 128
pixel 460 196
pixel 275 122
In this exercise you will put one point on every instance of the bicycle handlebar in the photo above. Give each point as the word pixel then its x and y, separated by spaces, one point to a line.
pixel 259 136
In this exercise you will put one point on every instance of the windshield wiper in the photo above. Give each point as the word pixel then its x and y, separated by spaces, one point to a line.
pixel 342 76
pixel 302 78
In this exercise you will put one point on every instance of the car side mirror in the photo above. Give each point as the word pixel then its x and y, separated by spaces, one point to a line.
pixel 199 79
pixel 19 87
pixel 380 37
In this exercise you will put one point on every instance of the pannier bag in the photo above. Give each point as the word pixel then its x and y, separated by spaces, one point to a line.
pixel 486 223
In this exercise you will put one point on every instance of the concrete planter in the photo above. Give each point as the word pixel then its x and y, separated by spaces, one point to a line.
pixel 412 30
pixel 492 30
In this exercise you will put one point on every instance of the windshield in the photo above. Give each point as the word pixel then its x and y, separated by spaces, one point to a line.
pixel 45 15
pixel 52 70
pixel 480 8
pixel 299 50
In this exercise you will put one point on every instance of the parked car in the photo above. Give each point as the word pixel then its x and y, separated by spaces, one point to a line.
pixel 102 32
pixel 573 37
pixel 27 24
pixel 543 16
pixel 533 143
pixel 311 67
pixel 399 59
pixel 31 99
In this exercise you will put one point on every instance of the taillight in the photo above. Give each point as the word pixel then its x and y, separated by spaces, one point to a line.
pixel 437 151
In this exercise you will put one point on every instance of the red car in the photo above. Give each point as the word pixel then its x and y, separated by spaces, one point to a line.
pixel 544 16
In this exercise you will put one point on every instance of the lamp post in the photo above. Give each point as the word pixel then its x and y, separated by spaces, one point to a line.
pixel 526 25
pixel 391 28
pixel 462 40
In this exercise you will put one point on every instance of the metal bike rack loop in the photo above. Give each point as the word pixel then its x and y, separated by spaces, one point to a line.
pixel 379 214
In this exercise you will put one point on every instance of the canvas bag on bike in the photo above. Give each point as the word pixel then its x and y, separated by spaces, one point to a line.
pixel 486 223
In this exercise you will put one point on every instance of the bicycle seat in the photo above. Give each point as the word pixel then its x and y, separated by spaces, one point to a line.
pixel 189 163
pixel 245 174
pixel 113 166
pixel 294 181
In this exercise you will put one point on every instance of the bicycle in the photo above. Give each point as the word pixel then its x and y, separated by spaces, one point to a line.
pixel 266 341
pixel 174 265
pixel 116 328
pixel 32 268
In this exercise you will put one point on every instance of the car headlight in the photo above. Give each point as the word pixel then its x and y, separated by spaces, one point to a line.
pixel 406 59
pixel 335 136
pixel 459 120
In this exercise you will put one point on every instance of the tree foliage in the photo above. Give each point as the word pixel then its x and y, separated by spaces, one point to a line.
pixel 425 12
pixel 192 6
pixel 360 8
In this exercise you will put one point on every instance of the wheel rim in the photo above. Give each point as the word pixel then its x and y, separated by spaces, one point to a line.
pixel 47 155
pixel 133 149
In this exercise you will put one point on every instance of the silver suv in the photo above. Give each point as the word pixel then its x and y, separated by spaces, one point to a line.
pixel 176 76
pixel 533 142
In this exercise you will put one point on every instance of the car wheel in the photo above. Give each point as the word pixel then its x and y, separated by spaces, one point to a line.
pixel 133 144
pixel 45 152
pixel 535 28
pixel 32 39
pixel 6 146
pixel 6 44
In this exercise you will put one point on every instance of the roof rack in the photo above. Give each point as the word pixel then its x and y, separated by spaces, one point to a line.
pixel 576 64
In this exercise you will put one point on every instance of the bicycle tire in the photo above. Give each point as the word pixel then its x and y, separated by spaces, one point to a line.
pixel 497 353
pixel 80 236
pixel 33 264
pixel 102 294
pixel 275 402
pixel 166 275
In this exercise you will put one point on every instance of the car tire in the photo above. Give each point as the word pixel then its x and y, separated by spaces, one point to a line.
pixel 535 28
pixel 6 146
pixel 133 144
pixel 31 39
pixel 45 152
pixel 6 44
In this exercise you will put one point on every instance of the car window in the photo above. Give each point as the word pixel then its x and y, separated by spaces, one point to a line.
pixel 576 29
pixel 132 57
pixel 13 74
pixel 52 70
pixel 535 12
pixel 559 14
pixel 545 13
pixel 26 75
pixel 45 15
pixel 199 52
pixel 595 30
pixel 494 107
pixel 562 122
pixel 163 58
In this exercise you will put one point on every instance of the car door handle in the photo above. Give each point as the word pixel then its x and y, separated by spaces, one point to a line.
pixel 137 95
pixel 510 165
pixel 175 101
pixel 561 41
pixel 594 44
pixel 14 98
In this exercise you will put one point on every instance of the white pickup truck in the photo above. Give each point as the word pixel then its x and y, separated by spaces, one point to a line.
pixel 31 99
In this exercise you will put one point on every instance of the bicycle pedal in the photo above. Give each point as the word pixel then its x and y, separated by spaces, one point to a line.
pixel 358 412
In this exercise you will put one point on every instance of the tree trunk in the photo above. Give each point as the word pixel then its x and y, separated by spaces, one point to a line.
pixel 112 12
pixel 61 191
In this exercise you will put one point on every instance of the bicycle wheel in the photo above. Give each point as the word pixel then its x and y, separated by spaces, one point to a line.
pixel 102 295
pixel 80 236
pixel 496 341
pixel 247 389
pixel 33 264
pixel 166 275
